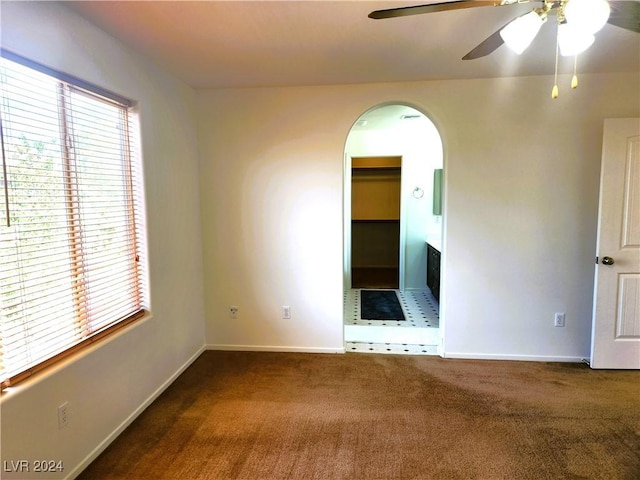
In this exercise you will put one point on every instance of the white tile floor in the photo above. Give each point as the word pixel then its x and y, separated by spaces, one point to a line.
pixel 418 334
pixel 420 309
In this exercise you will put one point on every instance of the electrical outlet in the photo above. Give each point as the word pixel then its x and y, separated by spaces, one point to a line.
pixel 286 311
pixel 233 312
pixel 558 319
pixel 63 415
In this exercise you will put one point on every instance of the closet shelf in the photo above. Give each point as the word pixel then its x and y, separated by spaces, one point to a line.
pixel 375 220
pixel 358 163
pixel 375 167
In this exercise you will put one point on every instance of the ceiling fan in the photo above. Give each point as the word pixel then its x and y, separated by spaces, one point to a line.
pixel 575 20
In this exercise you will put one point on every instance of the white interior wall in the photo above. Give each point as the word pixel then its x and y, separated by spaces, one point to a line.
pixel 420 146
pixel 271 205
pixel 521 175
pixel 521 202
pixel 107 385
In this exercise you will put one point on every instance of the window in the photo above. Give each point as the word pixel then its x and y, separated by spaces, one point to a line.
pixel 71 224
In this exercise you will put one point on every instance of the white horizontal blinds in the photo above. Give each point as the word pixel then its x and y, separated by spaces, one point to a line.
pixel 69 250
pixel 35 284
pixel 107 248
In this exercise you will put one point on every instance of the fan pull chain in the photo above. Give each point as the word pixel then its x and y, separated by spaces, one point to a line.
pixel 574 79
pixel 554 91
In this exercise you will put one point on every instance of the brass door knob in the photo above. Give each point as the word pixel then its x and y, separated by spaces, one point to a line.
pixel 607 261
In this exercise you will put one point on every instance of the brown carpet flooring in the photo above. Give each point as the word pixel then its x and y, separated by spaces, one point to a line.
pixel 240 415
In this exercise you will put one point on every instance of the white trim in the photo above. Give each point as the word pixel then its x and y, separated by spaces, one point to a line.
pixel 512 357
pixel 403 228
pixel 346 220
pixel 272 348
pixel 111 437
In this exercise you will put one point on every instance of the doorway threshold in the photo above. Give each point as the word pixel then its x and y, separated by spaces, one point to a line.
pixel 390 348
pixel 391 334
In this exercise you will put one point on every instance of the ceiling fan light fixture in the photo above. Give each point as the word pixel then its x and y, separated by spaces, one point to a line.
pixel 588 15
pixel 519 34
pixel 572 40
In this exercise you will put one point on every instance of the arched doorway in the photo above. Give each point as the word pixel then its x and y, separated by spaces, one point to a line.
pixel 391 155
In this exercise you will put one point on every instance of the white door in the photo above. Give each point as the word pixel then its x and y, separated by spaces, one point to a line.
pixel 615 338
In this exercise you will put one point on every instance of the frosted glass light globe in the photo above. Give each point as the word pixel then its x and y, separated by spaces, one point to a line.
pixel 521 32
pixel 588 15
pixel 573 40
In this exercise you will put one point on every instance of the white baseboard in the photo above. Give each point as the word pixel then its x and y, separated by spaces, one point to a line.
pixel 270 348
pixel 111 437
pixel 523 358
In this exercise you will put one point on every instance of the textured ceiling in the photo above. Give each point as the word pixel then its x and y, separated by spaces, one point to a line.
pixel 275 43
